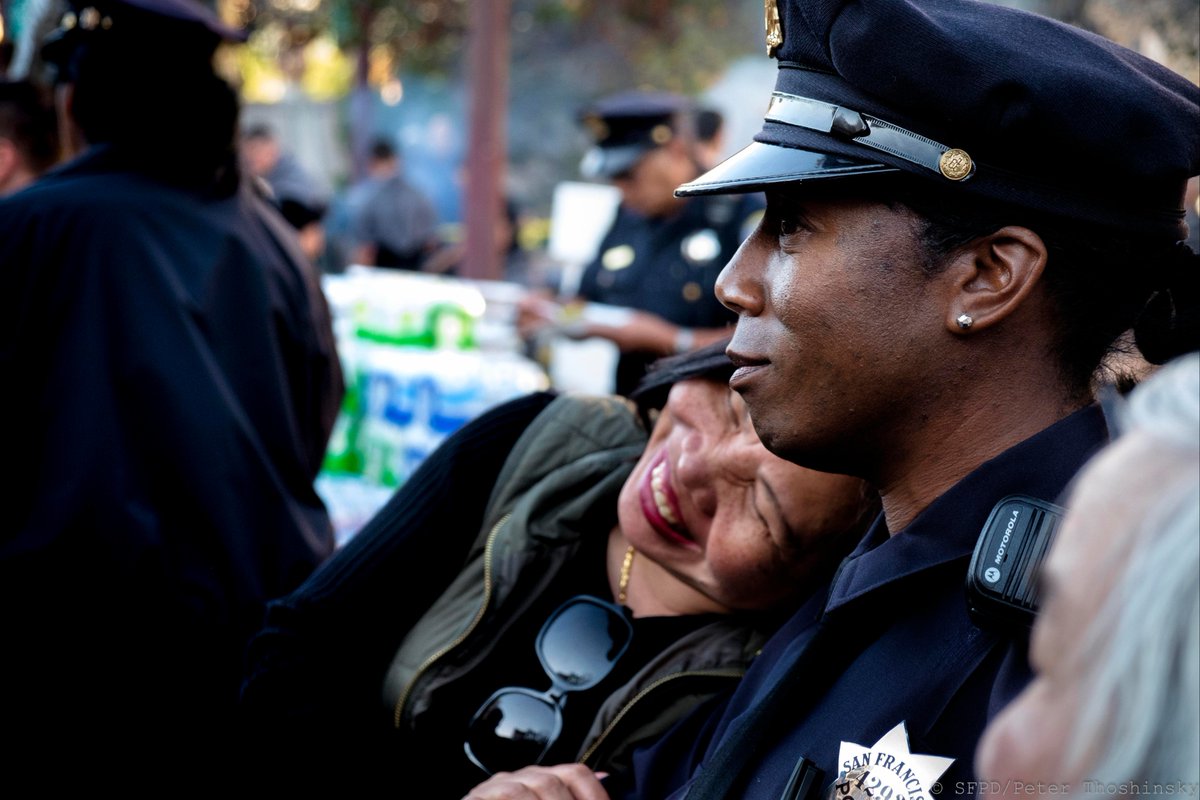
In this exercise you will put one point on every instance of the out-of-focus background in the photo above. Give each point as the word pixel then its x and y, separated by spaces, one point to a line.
pixel 480 100
pixel 329 75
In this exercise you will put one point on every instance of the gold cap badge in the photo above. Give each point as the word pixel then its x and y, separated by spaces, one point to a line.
pixel 956 164
pixel 774 28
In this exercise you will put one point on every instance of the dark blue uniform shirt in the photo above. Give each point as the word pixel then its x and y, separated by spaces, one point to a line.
pixel 896 644
pixel 669 267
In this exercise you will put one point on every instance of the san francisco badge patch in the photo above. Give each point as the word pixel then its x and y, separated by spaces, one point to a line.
pixel 886 770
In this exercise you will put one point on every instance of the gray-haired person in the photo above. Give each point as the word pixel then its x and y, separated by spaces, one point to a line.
pixel 1114 707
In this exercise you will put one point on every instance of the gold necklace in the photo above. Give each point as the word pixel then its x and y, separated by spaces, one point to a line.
pixel 623 583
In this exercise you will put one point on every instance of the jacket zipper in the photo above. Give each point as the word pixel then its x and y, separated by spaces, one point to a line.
pixel 714 673
pixel 398 714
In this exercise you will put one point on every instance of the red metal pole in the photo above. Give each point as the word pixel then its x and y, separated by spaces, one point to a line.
pixel 487 143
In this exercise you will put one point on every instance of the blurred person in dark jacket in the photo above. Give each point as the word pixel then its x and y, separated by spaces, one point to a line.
pixel 175 384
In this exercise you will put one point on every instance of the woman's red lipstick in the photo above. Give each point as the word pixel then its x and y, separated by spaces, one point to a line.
pixel 659 502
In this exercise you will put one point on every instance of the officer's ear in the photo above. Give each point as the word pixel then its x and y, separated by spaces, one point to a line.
pixel 990 278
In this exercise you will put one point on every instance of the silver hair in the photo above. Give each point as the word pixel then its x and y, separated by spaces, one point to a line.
pixel 1143 687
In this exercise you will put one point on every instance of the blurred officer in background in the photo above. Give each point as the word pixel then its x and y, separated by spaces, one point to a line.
pixel 662 254
pixel 173 385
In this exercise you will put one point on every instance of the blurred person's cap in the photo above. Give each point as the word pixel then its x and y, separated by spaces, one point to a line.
pixel 624 127
pixel 162 26
pixel 977 98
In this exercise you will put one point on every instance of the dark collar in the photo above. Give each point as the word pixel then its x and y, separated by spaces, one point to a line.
pixel 107 158
pixel 1042 466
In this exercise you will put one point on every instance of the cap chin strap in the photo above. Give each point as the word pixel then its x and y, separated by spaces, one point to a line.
pixel 816 115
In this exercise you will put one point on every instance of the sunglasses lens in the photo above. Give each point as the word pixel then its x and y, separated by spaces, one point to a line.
pixel 511 730
pixel 580 644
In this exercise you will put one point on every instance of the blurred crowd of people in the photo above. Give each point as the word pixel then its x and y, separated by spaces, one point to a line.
pixel 847 354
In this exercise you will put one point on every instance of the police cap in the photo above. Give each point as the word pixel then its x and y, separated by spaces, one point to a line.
pixel 161 28
pixel 623 127
pixel 979 98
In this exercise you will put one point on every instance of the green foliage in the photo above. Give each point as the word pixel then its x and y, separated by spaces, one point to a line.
pixel 675 44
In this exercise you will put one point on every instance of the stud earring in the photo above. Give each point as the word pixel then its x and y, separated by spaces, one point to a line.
pixel 964 321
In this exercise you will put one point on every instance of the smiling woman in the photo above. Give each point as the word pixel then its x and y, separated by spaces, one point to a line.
pixel 557 586
pixel 724 524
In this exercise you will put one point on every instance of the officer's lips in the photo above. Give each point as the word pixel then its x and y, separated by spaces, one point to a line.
pixel 660 504
pixel 746 367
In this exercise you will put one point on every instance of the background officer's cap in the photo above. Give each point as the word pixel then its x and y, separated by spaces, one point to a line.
pixel 978 98
pixel 623 127
pixel 162 29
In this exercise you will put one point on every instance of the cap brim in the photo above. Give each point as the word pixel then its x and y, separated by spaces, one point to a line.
pixel 607 162
pixel 760 165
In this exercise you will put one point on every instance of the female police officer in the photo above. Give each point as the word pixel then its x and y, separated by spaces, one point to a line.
pixel 967 205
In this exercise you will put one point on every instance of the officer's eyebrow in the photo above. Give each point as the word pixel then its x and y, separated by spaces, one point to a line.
pixel 779 197
pixel 782 205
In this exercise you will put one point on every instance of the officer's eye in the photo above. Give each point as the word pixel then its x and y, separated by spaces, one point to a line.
pixel 791 225
pixel 787 218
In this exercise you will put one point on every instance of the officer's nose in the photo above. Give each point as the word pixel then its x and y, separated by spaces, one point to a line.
pixel 739 284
